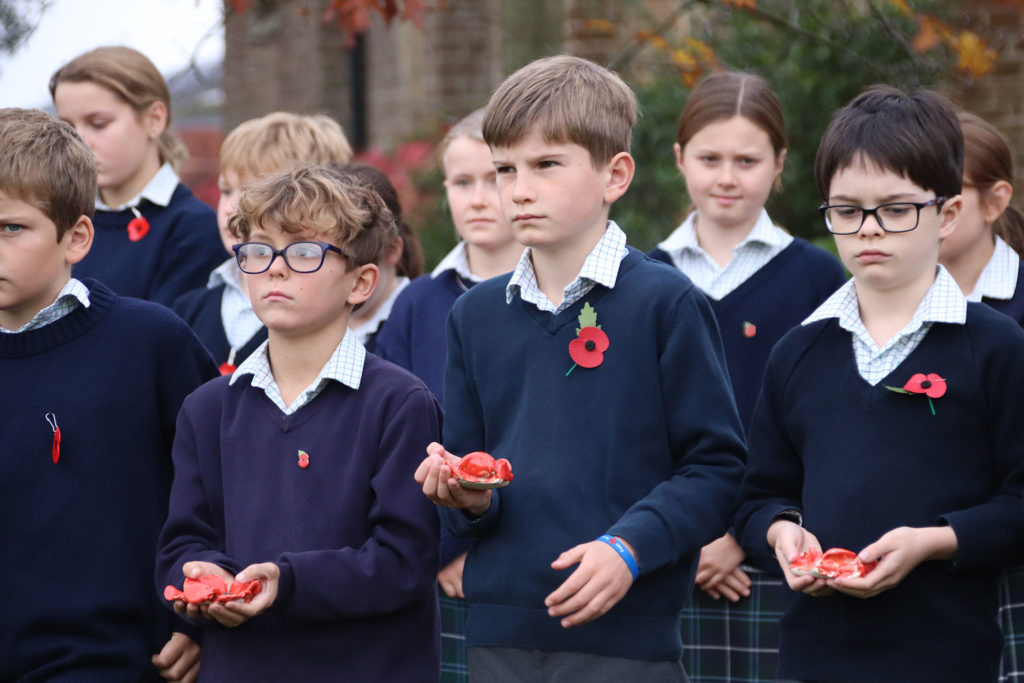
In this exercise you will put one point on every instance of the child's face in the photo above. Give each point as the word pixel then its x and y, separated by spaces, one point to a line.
pixel 230 187
pixel 885 261
pixel 34 266
pixel 125 144
pixel 729 167
pixel 551 193
pixel 304 304
pixel 473 195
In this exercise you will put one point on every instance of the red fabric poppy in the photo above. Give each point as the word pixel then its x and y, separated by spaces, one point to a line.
pixel 932 385
pixel 587 349
pixel 138 228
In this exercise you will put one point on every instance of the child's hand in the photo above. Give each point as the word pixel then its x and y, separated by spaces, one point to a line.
pixel 789 540
pixel 898 552
pixel 435 476
pixel 195 570
pixel 719 573
pixel 599 582
pixel 179 659
pixel 450 577
pixel 236 612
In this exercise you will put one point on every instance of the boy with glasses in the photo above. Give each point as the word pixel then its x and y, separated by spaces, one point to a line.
pixel 888 422
pixel 296 470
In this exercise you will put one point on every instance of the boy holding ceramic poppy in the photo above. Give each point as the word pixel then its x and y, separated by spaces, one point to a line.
pixel 600 375
pixel 889 421
pixel 294 471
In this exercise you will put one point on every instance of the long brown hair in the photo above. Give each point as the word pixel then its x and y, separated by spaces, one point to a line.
pixel 987 160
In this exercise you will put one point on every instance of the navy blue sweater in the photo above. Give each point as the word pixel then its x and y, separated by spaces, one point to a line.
pixel 200 308
pixel 177 254
pixel 646 446
pixel 776 298
pixel 78 538
pixel 413 336
pixel 860 460
pixel 354 536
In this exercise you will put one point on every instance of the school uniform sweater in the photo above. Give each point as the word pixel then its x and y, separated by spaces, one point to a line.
pixel 201 308
pixel 755 315
pixel 860 460
pixel 353 535
pixel 1013 307
pixel 646 446
pixel 413 336
pixel 176 255
pixel 78 537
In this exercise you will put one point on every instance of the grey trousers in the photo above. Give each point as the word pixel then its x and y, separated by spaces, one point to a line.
pixel 518 665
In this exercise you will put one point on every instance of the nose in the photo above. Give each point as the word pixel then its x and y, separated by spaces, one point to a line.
pixel 726 176
pixel 521 191
pixel 870 227
pixel 479 196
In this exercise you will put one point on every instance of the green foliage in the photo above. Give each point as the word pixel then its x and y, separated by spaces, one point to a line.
pixel 816 54
pixel 18 18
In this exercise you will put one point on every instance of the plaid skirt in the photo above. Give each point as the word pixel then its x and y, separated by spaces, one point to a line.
pixel 453 639
pixel 1011 620
pixel 734 642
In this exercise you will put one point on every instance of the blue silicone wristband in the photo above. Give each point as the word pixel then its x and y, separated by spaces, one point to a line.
pixel 624 553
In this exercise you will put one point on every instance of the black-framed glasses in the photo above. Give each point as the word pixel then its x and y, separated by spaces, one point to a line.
pixel 302 257
pixel 847 219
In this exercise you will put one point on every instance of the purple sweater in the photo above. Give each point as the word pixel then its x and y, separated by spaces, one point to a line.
pixel 354 537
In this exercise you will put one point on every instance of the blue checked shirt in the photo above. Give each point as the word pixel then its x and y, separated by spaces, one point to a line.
pixel 345 365
pixel 764 243
pixel 601 267
pixel 999 278
pixel 943 303
pixel 71 296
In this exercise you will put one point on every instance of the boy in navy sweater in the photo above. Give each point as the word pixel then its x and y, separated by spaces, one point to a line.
pixel 295 471
pixel 600 375
pixel 92 386
pixel 889 421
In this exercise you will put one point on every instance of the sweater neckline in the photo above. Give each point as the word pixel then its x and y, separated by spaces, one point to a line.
pixel 781 260
pixel 71 326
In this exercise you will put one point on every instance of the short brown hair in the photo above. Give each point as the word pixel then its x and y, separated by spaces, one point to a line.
pixel 726 94
pixel 282 139
pixel 567 100
pixel 322 200
pixel 132 77
pixel 45 163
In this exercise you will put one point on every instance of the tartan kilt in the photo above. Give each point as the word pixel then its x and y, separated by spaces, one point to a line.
pixel 727 642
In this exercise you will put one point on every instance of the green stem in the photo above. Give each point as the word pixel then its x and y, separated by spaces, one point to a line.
pixel 574 367
pixel 931 405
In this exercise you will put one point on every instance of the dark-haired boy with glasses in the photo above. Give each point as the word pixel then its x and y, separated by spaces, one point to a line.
pixel 888 422
pixel 295 471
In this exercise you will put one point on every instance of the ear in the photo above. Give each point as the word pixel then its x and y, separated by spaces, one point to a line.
pixel 677 150
pixel 78 240
pixel 995 200
pixel 154 119
pixel 780 162
pixel 949 216
pixel 620 170
pixel 365 282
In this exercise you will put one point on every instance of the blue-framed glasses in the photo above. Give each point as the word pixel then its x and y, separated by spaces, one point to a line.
pixel 847 219
pixel 302 257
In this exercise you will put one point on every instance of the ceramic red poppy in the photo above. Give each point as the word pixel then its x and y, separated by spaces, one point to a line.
pixel 138 228
pixel 834 563
pixel 211 588
pixel 932 385
pixel 587 349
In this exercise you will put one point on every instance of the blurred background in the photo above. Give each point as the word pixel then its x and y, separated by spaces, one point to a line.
pixel 396 73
